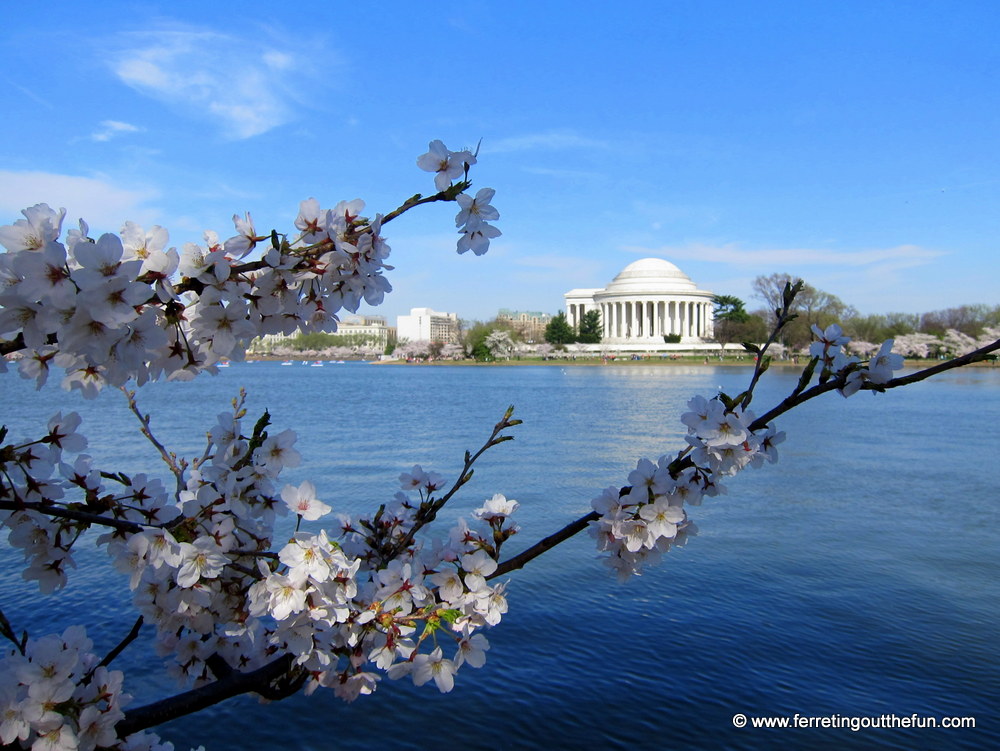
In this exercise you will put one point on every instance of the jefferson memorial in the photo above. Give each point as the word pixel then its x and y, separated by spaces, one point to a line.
pixel 648 300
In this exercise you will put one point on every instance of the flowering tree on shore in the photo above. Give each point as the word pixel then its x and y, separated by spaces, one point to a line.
pixel 234 609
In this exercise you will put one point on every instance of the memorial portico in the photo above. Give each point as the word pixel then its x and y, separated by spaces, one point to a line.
pixel 648 300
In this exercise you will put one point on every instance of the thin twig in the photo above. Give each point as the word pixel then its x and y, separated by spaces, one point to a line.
pixel 169 459
pixel 130 637
pixel 783 316
pixel 428 512
pixel 448 194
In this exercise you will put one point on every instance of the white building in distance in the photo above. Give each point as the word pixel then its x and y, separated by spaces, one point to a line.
pixel 426 325
pixel 648 300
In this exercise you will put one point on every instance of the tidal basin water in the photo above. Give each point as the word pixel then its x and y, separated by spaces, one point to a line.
pixel 857 577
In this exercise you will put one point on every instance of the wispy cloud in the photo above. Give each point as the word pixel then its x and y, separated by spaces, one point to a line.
pixel 103 205
pixel 112 128
pixel 551 267
pixel 241 83
pixel 897 257
pixel 28 93
pixel 552 140
pixel 562 174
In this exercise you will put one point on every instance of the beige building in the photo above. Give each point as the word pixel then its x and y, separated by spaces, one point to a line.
pixel 648 300
pixel 371 328
pixel 531 325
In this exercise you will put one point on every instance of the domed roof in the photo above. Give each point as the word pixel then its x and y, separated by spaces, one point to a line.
pixel 650 275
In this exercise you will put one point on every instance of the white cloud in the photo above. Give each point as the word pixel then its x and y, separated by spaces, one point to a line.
pixel 111 128
pixel 562 174
pixel 553 140
pixel 104 206
pixel 571 269
pixel 242 84
pixel 897 257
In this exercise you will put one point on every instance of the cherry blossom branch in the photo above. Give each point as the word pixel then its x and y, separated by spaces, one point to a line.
pixel 309 254
pixel 784 316
pixel 428 510
pixel 838 382
pixel 146 312
pixel 445 195
pixel 122 525
pixel 265 681
pixel 798 397
pixel 308 260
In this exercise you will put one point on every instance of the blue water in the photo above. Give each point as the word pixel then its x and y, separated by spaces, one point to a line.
pixel 859 576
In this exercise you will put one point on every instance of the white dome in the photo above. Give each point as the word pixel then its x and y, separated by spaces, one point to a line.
pixel 649 300
pixel 650 275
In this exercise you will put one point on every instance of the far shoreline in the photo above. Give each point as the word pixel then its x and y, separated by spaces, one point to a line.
pixel 701 362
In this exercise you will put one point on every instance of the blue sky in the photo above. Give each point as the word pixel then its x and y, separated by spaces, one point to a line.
pixel 855 144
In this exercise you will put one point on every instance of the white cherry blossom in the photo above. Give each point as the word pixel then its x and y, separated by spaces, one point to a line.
pixel 302 500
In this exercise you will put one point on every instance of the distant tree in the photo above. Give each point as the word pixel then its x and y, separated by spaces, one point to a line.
pixel 452 352
pixel 823 308
pixel 474 337
pixel 970 320
pixel 752 329
pixel 318 340
pixel 729 308
pixel 879 327
pixel 312 340
pixel 770 289
pixel 590 328
pixel 734 324
pixel 411 350
pixel 559 331
pixel 921 346
pixel 811 307
pixel 499 344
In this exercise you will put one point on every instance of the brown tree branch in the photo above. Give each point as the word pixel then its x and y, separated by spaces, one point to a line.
pixel 518 561
pixel 266 681
pixel 122 525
